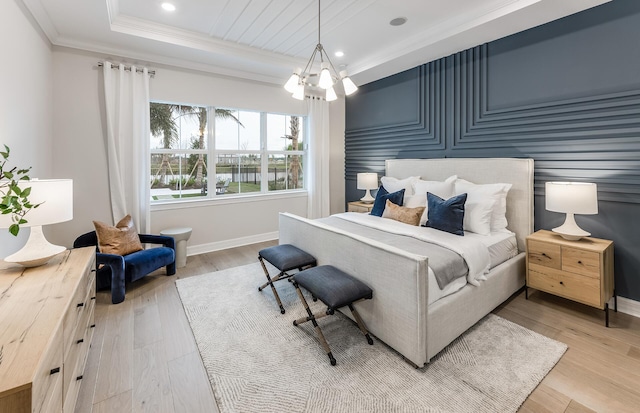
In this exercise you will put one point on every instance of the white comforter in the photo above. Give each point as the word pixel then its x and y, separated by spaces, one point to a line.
pixel 469 247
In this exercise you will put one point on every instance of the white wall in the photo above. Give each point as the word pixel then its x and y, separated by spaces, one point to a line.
pixel 80 151
pixel 25 101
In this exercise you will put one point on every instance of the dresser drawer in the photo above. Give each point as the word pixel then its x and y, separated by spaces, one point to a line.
pixel 581 262
pixel 47 383
pixel 544 253
pixel 568 285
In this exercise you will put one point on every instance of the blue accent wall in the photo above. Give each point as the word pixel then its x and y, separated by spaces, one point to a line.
pixel 566 94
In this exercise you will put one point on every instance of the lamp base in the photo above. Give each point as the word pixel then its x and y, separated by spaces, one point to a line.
pixel 367 198
pixel 37 251
pixel 570 230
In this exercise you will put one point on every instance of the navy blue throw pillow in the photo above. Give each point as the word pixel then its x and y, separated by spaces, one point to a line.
pixel 381 200
pixel 446 215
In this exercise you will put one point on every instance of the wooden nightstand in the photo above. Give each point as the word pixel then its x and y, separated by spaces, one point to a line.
pixel 359 206
pixel 581 270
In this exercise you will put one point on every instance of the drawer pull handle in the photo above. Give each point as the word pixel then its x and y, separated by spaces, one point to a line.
pixel 93 298
pixel 545 255
pixel 80 341
pixel 92 325
pixel 579 262
pixel 93 270
pixel 561 283
pixel 79 377
pixel 54 371
pixel 80 305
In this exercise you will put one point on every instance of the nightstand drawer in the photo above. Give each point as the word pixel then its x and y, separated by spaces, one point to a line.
pixel 572 286
pixel 581 262
pixel 357 206
pixel 544 253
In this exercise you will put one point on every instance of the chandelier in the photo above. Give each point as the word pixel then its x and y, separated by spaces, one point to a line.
pixel 326 79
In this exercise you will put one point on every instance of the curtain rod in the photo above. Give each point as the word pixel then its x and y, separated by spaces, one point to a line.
pixel 152 73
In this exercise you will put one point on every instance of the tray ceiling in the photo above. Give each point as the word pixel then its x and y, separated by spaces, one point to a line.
pixel 265 39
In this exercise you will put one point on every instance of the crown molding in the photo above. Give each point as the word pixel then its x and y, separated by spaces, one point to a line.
pixel 42 18
pixel 153 58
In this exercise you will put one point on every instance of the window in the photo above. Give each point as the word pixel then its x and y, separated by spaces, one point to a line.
pixel 253 152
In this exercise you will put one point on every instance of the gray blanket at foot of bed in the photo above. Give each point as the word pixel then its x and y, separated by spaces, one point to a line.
pixel 446 265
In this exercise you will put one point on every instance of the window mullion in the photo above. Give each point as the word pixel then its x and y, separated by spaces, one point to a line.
pixel 264 157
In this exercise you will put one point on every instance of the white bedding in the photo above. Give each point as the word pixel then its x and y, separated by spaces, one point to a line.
pixel 498 248
pixel 470 247
pixel 501 245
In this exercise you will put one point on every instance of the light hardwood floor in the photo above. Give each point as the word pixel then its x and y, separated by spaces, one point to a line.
pixel 143 357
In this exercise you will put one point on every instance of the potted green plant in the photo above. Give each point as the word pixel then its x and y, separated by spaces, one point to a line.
pixel 13 199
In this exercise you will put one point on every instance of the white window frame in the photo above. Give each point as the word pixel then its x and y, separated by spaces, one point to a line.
pixel 212 156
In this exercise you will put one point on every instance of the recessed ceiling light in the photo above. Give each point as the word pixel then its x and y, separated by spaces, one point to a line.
pixel 168 7
pixel 398 21
pixel 339 53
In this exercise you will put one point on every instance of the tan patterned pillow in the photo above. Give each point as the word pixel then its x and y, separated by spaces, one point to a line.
pixel 120 240
pixel 409 216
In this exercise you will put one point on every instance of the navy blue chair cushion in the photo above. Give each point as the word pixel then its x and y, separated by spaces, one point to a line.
pixel 332 286
pixel 446 215
pixel 381 200
pixel 286 257
pixel 113 270
pixel 141 263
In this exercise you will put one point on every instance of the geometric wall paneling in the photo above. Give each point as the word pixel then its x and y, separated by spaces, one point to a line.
pixel 574 137
pixel 566 94
pixel 380 133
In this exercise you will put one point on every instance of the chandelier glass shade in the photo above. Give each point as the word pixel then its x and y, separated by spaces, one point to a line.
pixel 325 80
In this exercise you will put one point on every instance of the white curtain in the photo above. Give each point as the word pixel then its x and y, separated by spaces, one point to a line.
pixel 318 163
pixel 126 94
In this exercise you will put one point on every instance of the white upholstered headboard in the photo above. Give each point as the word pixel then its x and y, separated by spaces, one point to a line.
pixel 518 172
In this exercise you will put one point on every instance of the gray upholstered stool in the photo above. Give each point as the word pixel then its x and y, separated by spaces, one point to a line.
pixel 336 289
pixel 285 258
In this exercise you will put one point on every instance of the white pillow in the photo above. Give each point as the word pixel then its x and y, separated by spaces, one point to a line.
pixel 477 216
pixel 444 189
pixel 394 184
pixel 497 192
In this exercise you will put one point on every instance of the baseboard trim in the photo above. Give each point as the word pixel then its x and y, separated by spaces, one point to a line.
pixel 627 306
pixel 231 243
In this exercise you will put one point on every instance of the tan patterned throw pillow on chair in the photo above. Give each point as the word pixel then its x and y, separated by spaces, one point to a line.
pixel 120 240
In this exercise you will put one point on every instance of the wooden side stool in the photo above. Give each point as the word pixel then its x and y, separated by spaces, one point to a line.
pixel 285 257
pixel 336 289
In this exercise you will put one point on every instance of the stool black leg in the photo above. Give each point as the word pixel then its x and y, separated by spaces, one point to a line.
pixel 273 288
pixel 360 323
pixel 311 317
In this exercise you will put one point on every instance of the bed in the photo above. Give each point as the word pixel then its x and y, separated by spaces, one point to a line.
pixel 402 314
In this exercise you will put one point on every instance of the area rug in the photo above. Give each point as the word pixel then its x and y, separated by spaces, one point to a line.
pixel 257 361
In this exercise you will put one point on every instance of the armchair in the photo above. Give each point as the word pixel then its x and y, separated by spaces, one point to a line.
pixel 114 270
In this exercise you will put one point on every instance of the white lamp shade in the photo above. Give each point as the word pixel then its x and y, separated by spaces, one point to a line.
pixel 331 95
pixel 347 83
pixel 571 197
pixel 325 80
pixel 299 92
pixel 367 180
pixel 55 197
pixel 293 81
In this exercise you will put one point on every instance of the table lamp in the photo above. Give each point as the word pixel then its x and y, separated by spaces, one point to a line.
pixel 56 199
pixel 571 198
pixel 367 181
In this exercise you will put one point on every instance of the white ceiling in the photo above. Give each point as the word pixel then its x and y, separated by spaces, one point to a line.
pixel 265 39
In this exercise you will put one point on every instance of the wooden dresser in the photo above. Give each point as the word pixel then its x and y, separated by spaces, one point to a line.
pixel 581 270
pixel 46 325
